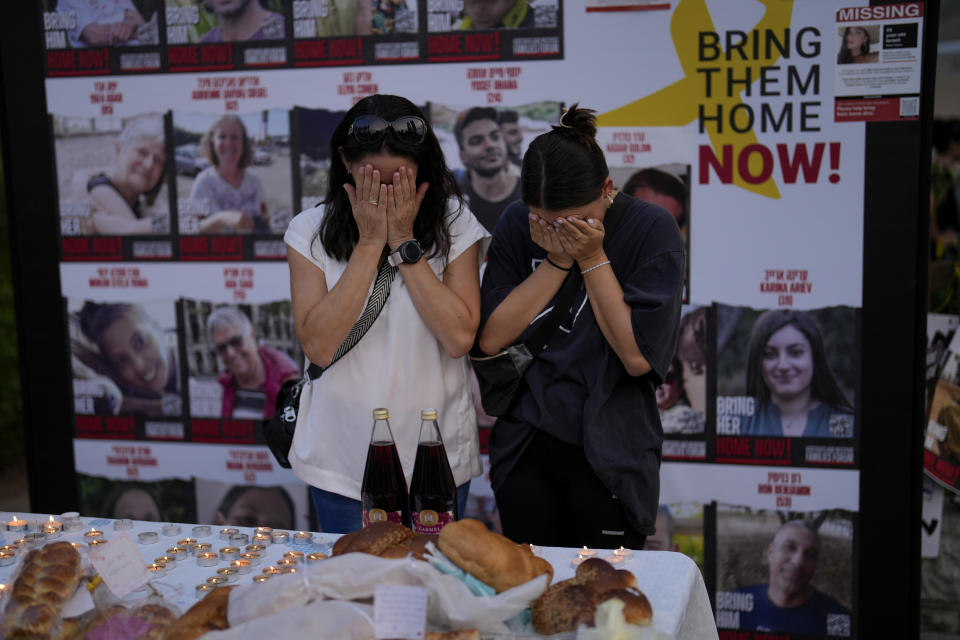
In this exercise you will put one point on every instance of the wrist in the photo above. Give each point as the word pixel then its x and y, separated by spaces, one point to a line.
pixel 592 260
pixel 395 241
pixel 561 261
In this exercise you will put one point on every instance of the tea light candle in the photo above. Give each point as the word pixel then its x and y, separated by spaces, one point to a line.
pixel 201 530
pixel 252 557
pixel 199 547
pixel 242 566
pixel 294 555
pixel 156 569
pixel 216 581
pixel 171 529
pixel 313 558
pixel 207 559
pixel 51 532
pixel 534 548
pixel 56 524
pixel 614 559
pixel 172 559
pixel 263 530
pixel 34 540
pixel 237 539
pixel 226 533
pixel 285 563
pixel 17 524
pixel 123 524
pixel 576 562
pixel 586 553
pixel 96 542
pixel 10 548
pixel 7 558
pixel 186 542
pixel 229 553
pixel 288 570
pixel 230 573
pixel 280 537
pixel 178 552
pixel 260 579
pixel 203 589
pixel 148 537
pixel 255 548
pixel 262 538
pixel 271 571
pixel 3 591
pixel 69 515
pixel 303 537
pixel 93 533
pixel 623 552
pixel 21 543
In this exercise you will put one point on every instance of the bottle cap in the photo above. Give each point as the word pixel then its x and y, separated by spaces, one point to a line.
pixel 380 413
pixel 428 414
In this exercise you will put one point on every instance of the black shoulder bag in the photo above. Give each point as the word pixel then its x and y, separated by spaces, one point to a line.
pixel 499 375
pixel 278 430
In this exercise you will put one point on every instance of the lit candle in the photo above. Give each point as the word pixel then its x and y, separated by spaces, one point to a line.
pixel 11 548
pixel 260 579
pixel 3 591
pixel 53 522
pixel 148 537
pixel 623 552
pixel 576 562
pixel 123 524
pixel 586 553
pixel 7 558
pixel 262 538
pixel 252 557
pixel 93 533
pixel 216 581
pixel 281 537
pixel 96 542
pixel 534 548
pixel 178 553
pixel 303 537
pixel 263 530
pixel 288 570
pixel 51 532
pixel 17 524
pixel 186 542
pixel 285 563
pixel 271 571
pixel 34 540
pixel 229 553
pixel 201 530
pixel 226 533
pixel 171 529
pixel 200 547
pixel 230 573
pixel 207 559
pixel 203 589
pixel 614 559
pixel 171 561
pixel 241 565
pixel 296 556
pixel 313 558
pixel 255 548
pixel 156 569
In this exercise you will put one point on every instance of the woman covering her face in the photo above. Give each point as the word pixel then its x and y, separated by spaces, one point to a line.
pixel 121 197
pixel 576 458
pixel 232 190
pixel 788 375
pixel 138 359
pixel 391 201
pixel 855 47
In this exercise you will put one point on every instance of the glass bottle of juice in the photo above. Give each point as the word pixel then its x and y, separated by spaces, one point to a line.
pixel 383 493
pixel 433 493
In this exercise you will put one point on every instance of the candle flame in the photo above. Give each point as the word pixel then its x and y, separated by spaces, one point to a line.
pixel 584 547
pixel 51 519
pixel 16 518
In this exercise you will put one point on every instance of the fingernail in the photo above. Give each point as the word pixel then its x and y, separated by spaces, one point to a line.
pixel 570 218
pixel 590 221
pixel 559 221
pixel 531 216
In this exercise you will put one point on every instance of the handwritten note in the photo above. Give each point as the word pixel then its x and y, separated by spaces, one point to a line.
pixel 120 565
pixel 399 611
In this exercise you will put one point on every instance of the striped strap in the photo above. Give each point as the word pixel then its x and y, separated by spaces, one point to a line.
pixel 375 304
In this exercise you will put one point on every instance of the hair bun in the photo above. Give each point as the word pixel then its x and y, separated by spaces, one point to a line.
pixel 580 125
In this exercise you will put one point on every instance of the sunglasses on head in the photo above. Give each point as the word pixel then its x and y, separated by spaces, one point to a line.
pixel 234 342
pixel 407 129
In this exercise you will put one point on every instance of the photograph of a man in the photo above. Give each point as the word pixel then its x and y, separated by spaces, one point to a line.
pixel 787 601
pixel 660 188
pixel 487 183
pixel 241 20
pixel 512 136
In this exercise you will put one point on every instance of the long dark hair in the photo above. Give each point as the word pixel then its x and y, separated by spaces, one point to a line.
pixel 846 56
pixel 823 387
pixel 338 232
pixel 564 167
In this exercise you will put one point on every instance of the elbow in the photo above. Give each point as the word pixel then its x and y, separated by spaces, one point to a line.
pixel 459 345
pixel 315 352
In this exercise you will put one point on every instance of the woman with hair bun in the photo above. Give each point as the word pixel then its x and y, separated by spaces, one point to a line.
pixel 576 458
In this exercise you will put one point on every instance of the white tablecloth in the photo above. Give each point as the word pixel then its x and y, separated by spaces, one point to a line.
pixel 671 581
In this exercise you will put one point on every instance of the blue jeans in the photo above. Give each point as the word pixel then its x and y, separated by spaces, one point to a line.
pixel 340 514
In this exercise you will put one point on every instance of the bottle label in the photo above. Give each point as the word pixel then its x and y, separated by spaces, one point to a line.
pixel 429 522
pixel 379 515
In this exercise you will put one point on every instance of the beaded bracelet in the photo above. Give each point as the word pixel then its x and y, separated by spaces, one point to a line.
pixel 558 266
pixel 596 266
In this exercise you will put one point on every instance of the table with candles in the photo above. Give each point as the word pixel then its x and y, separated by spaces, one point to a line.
pixel 185 561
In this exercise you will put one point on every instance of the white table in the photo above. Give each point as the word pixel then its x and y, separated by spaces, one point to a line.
pixel 671 581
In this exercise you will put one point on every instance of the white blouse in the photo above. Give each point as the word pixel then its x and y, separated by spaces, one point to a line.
pixel 398 364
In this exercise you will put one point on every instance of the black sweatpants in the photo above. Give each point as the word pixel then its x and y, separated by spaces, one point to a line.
pixel 552 497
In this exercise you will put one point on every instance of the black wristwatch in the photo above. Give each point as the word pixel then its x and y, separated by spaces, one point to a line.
pixel 407 252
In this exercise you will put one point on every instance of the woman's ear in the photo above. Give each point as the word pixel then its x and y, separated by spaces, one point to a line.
pixel 607 187
pixel 343 159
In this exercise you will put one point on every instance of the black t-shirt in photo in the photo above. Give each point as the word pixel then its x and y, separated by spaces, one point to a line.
pixel 577 389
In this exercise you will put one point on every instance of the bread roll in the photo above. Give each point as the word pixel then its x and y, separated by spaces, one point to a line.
pixel 563 607
pixel 373 539
pixel 48 577
pixel 490 557
pixel 636 609
pixel 416 545
pixel 459 634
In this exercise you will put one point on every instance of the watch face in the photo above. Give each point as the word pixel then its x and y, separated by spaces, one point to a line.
pixel 410 251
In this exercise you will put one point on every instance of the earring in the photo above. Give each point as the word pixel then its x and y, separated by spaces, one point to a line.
pixel 609 198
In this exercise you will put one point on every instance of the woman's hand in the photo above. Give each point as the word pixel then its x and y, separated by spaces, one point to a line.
pixel 581 239
pixel 545 236
pixel 403 205
pixel 368 199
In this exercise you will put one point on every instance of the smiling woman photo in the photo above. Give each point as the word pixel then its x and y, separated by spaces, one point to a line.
pixel 788 375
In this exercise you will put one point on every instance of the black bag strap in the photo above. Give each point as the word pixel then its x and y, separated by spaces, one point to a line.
pixel 375 303
pixel 538 340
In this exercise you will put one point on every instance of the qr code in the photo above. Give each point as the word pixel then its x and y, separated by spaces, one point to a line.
pixel 909 107
pixel 838 624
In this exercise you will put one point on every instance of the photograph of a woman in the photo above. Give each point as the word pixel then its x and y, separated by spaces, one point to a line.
pixel 123 191
pixel 791 380
pixel 855 46
pixel 391 201
pixel 125 344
